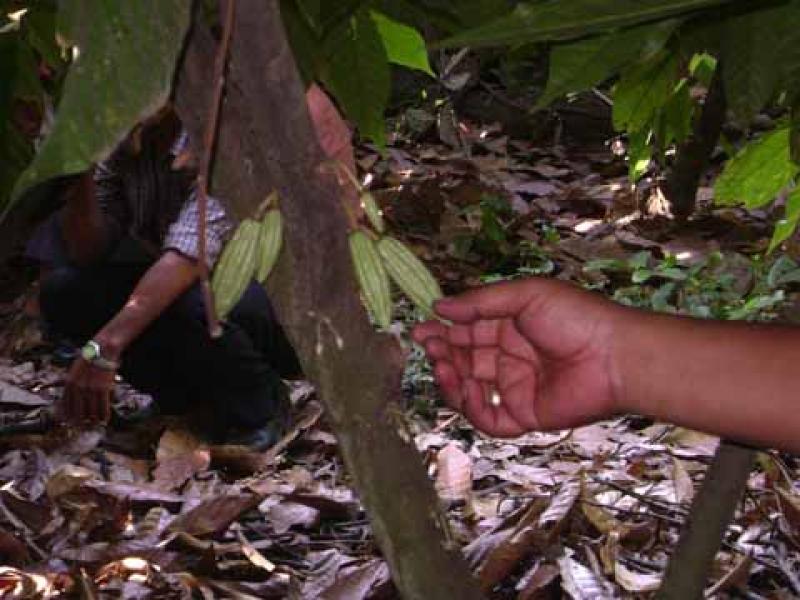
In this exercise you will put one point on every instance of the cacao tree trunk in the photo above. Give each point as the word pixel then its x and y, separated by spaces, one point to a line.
pixel 266 142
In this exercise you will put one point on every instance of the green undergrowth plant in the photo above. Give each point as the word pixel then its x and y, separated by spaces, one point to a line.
pixel 708 288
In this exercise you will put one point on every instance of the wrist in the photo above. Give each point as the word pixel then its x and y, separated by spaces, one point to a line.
pixel 111 347
pixel 628 330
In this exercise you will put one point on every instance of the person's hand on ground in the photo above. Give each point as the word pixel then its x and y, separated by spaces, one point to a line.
pixel 542 348
pixel 87 394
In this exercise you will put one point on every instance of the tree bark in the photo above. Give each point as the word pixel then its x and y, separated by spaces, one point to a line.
pixel 266 141
pixel 711 513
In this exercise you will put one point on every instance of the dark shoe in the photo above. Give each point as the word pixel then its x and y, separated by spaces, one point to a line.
pixel 259 439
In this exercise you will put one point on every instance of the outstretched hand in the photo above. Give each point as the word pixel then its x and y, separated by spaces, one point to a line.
pixel 87 395
pixel 526 355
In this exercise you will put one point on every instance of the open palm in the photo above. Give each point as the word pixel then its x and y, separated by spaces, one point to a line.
pixel 522 356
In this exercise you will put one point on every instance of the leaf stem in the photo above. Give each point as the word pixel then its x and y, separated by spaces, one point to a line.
pixel 209 138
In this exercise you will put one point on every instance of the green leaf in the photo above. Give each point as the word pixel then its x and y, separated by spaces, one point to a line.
pixel 358 74
pixel 123 73
pixel 303 38
pixel 40 29
pixel 642 90
pixel 639 154
pixel 787 225
pixel 794 131
pixel 758 173
pixel 403 44
pixel 677 116
pixel 18 82
pixel 605 264
pixel 581 65
pixel 554 20
pixel 760 57
pixel 702 67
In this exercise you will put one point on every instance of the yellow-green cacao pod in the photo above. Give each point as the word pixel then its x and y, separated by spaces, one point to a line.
pixel 409 273
pixel 269 246
pixel 372 277
pixel 236 266
pixel 372 211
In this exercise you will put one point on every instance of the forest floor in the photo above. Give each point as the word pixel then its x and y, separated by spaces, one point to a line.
pixel 148 510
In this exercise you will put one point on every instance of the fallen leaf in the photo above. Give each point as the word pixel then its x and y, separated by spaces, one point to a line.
pixel 68 479
pixel 213 515
pixel 580 582
pixel 287 514
pixel 636 581
pixel 11 394
pixel 684 488
pixel 453 474
pixel 357 583
pixel 532 585
pixel 180 456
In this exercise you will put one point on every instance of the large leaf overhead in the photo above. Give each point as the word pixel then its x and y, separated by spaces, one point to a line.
pixel 761 57
pixel 358 73
pixel 578 66
pixel 554 20
pixel 125 59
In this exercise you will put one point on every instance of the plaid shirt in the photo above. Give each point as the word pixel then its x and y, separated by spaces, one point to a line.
pixel 144 197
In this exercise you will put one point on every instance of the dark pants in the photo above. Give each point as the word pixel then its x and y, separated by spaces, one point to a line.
pixel 238 376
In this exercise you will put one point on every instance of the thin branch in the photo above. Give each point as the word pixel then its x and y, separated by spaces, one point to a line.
pixel 209 138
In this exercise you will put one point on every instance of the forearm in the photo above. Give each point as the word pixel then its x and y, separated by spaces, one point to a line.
pixel 736 380
pixel 171 276
pixel 85 231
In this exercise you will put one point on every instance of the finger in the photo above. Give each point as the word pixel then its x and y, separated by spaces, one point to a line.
pixel 494 301
pixel 437 349
pixel 105 407
pixel 460 335
pixel 428 329
pixel 480 412
pixel 512 341
pixel 450 385
pixel 462 362
pixel 91 411
pixel 486 332
pixel 484 363
pixel 517 386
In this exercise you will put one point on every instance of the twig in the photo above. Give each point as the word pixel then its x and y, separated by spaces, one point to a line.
pixel 209 137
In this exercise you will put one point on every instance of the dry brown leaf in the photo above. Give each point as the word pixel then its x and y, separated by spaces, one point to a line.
pixel 601 519
pixel 68 479
pixel 357 583
pixel 322 575
pixel 286 515
pixel 580 582
pixel 180 456
pixel 13 551
pixel 534 584
pixel 252 554
pixel 213 515
pixel 136 494
pixel 13 395
pixel 734 578
pixel 453 474
pixel 502 550
pixel 684 488
pixel 789 503
pixel 561 505
pixel 332 503
pixel 635 581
